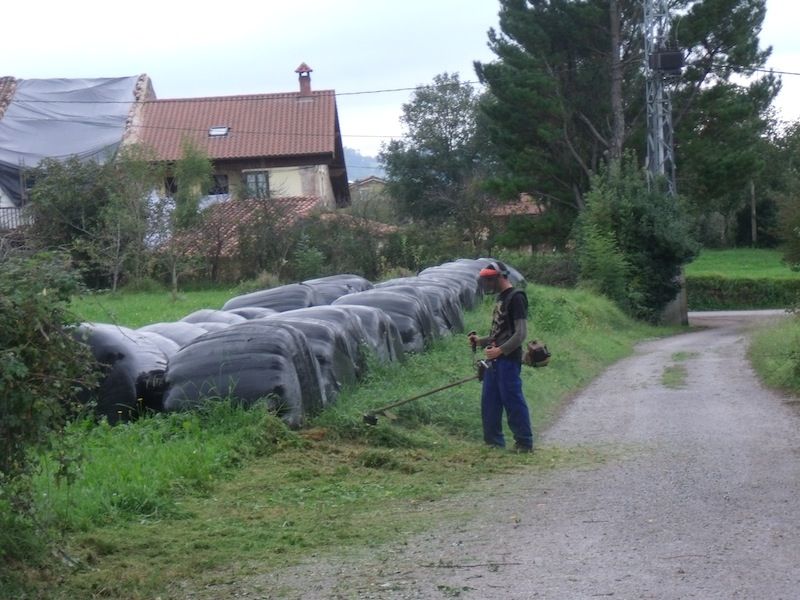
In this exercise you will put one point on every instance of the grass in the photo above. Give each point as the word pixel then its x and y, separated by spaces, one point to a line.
pixel 741 263
pixel 205 497
pixel 674 376
pixel 137 310
pixel 775 354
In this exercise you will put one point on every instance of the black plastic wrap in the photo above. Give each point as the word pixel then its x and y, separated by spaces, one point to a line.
pixel 461 279
pixel 132 367
pixel 363 325
pixel 281 299
pixel 443 299
pixel 252 312
pixel 166 345
pixel 179 332
pixel 208 315
pixel 410 314
pixel 383 336
pixel 335 286
pixel 330 345
pixel 249 361
pixel 212 325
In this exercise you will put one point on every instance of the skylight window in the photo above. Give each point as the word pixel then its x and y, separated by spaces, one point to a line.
pixel 218 131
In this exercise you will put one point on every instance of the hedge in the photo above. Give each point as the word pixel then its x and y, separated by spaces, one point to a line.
pixel 712 292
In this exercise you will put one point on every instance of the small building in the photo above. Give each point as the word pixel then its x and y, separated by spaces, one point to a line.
pixel 367 188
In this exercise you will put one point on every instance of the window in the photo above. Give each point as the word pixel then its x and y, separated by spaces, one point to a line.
pixel 219 185
pixel 218 131
pixel 170 186
pixel 256 183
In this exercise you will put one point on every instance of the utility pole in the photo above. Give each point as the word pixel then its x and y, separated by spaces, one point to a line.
pixel 661 64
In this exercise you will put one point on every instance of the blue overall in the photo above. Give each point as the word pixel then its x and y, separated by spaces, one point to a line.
pixel 502 389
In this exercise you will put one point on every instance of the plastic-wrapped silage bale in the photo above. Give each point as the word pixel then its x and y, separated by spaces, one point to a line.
pixel 247 362
pixel 281 299
pixel 132 369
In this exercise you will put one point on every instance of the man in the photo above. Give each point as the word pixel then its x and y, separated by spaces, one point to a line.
pixel 502 385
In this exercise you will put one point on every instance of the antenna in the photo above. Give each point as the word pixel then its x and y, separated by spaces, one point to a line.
pixel 660 64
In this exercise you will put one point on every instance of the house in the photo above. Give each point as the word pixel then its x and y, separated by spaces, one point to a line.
pixel 56 118
pixel 524 206
pixel 367 188
pixel 261 145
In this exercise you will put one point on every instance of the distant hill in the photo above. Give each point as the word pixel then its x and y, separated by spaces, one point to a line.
pixel 360 166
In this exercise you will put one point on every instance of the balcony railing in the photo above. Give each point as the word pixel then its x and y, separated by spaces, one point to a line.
pixel 12 217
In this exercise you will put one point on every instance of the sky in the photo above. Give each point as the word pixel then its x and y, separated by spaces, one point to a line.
pixel 371 52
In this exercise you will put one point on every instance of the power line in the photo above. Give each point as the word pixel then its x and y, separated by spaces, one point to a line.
pixel 250 97
pixel 322 93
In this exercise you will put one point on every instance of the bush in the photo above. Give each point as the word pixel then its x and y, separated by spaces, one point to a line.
pixel 263 281
pixel 308 260
pixel 632 240
pixel 557 269
pixel 42 369
pixel 144 284
pixel 713 292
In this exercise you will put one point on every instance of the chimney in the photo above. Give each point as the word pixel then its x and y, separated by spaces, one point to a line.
pixel 304 77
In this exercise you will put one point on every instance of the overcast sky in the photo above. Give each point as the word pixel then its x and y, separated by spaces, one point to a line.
pixel 357 47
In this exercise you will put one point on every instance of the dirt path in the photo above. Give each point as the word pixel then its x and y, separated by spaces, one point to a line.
pixel 699 497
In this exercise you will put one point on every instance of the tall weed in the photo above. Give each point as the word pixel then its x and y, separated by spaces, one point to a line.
pixel 138 470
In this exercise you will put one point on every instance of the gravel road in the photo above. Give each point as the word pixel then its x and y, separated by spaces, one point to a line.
pixel 698 496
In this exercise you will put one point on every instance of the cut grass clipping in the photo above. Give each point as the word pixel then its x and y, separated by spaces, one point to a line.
pixel 674 376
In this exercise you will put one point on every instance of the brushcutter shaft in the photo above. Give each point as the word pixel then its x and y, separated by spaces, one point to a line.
pixel 428 393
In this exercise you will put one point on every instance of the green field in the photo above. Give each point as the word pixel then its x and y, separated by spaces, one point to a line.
pixel 741 279
pixel 137 310
pixel 741 263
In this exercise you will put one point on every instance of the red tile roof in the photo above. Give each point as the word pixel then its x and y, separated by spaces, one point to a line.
pixel 219 231
pixel 375 228
pixel 524 205
pixel 261 125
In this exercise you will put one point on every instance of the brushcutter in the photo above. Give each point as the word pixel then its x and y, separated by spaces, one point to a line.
pixel 371 418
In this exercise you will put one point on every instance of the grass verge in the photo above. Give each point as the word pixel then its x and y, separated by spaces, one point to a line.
pixel 194 499
pixel 775 355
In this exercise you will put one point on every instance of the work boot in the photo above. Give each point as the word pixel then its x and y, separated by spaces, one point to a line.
pixel 522 449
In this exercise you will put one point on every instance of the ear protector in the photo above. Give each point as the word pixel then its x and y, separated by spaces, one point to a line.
pixel 494 269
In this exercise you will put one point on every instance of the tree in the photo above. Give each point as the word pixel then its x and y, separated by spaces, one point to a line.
pixel 119 244
pixel 549 109
pixel 784 168
pixel 68 199
pixel 632 239
pixel 723 154
pixel 97 212
pixel 173 217
pixel 566 93
pixel 440 153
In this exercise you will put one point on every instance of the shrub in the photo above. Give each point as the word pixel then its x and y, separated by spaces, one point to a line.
pixel 42 369
pixel 307 259
pixel 263 281
pixel 713 292
pixel 558 269
pixel 632 240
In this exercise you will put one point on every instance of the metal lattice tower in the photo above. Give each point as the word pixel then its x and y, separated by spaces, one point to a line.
pixel 660 153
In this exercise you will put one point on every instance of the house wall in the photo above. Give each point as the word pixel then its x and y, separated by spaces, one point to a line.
pixel 305 180
pixel 5 200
